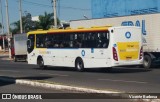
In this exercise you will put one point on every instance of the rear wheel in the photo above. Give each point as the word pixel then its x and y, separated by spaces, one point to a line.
pixel 147 62
pixel 79 65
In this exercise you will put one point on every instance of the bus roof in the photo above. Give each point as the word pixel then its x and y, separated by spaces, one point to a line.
pixel 80 29
pixel 38 32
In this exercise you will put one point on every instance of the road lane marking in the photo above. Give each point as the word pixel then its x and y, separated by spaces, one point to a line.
pixel 55 74
pixel 9 71
pixel 123 81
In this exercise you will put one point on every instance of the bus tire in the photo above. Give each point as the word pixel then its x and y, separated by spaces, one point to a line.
pixel 79 65
pixel 40 63
pixel 147 62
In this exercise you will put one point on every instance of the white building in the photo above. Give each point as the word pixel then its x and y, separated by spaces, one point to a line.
pixel 35 18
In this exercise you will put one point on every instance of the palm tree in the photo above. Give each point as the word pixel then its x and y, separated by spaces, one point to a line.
pixel 16 27
pixel 47 20
pixel 27 25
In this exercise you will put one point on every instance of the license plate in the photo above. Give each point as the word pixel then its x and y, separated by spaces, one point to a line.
pixel 128 58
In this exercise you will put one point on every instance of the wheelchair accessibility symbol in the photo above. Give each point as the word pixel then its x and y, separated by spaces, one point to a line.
pixel 83 53
pixel 128 35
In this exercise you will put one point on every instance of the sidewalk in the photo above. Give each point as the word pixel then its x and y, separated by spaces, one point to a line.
pixel 4 52
pixel 4 55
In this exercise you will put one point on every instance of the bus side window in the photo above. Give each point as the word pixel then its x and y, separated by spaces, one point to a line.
pixel 71 42
pixel 82 40
pixel 99 40
pixel 48 41
pixel 56 41
pixel 88 40
pixel 105 39
pixel 93 40
pixel 37 41
pixel 40 43
pixel 66 40
pixel 78 41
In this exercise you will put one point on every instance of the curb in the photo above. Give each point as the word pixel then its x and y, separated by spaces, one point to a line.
pixel 55 86
pixel 4 57
pixel 7 59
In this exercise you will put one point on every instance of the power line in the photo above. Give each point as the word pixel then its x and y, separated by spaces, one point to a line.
pixel 36 4
pixel 63 7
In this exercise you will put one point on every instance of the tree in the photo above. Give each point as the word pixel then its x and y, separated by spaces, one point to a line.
pixel 27 23
pixel 16 27
pixel 47 20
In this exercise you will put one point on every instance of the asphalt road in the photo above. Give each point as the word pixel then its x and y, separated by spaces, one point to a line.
pixel 14 89
pixel 120 79
pixel 8 87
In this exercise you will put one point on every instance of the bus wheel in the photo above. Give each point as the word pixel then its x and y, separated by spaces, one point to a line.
pixel 147 62
pixel 79 65
pixel 40 63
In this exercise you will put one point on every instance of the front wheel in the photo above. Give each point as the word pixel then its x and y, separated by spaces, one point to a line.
pixel 40 63
pixel 79 65
pixel 147 62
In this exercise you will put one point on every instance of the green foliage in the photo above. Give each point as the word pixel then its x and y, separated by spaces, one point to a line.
pixel 27 24
pixel 45 22
pixel 0 25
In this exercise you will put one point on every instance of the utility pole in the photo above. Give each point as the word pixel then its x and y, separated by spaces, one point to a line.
pixel 55 12
pixel 8 30
pixel 2 26
pixel 20 12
